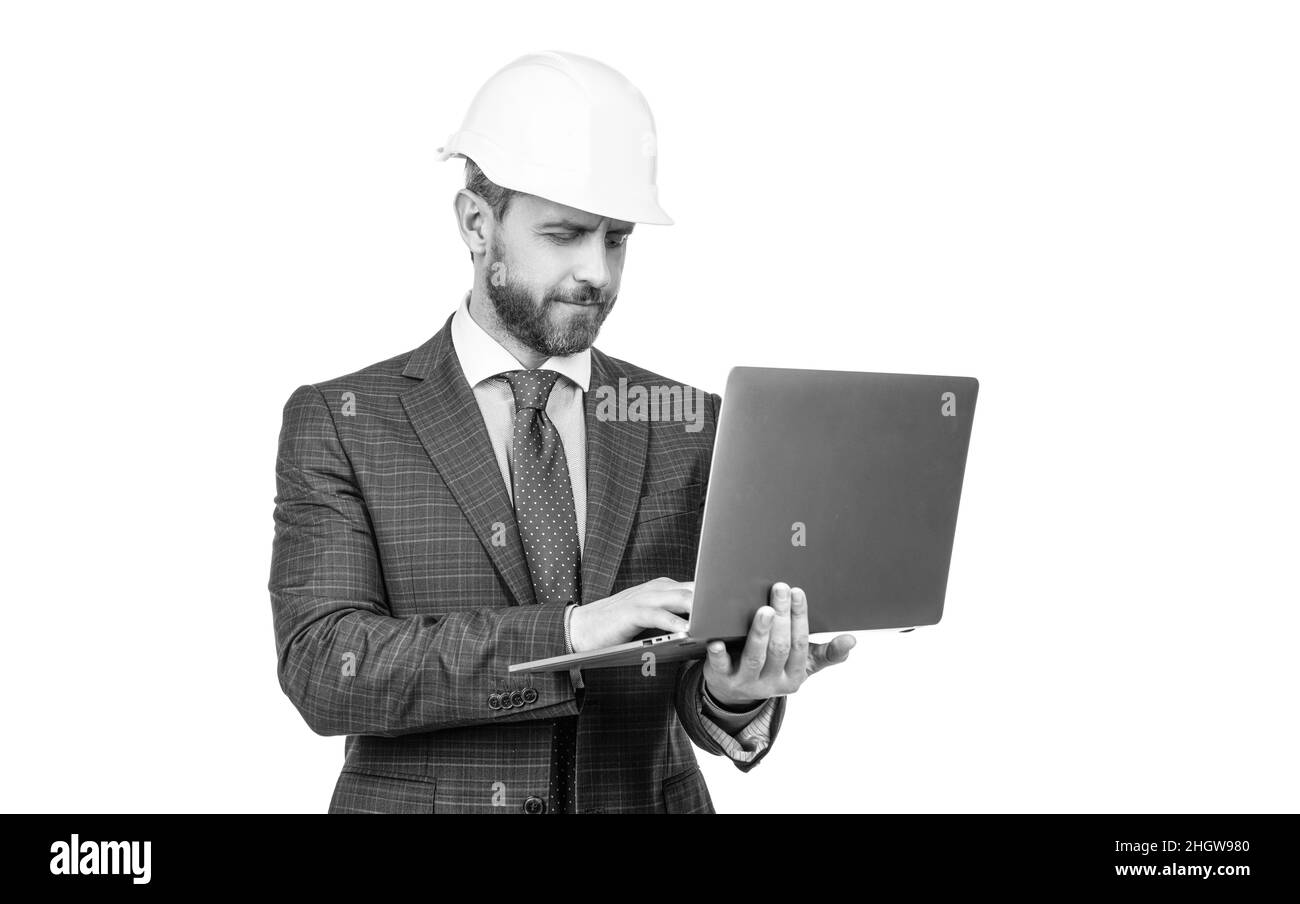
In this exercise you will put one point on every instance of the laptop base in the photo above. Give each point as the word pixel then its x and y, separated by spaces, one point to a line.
pixel 664 648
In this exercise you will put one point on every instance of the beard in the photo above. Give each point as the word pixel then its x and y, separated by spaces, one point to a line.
pixel 571 331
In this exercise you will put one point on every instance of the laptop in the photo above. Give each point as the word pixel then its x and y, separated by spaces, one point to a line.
pixel 845 484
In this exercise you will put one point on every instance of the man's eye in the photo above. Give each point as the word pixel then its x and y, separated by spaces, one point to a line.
pixel 615 241
pixel 561 237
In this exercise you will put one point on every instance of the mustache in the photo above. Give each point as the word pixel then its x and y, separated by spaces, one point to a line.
pixel 585 295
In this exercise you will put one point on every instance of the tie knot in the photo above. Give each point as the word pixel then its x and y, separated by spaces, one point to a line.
pixel 531 387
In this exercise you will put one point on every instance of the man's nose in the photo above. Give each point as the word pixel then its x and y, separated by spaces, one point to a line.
pixel 592 268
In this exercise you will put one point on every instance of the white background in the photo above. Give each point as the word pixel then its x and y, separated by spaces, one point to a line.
pixel 1093 207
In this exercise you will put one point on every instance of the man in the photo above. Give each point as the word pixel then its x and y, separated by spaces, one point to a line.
pixel 461 507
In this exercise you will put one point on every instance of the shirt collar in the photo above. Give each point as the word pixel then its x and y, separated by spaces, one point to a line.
pixel 482 357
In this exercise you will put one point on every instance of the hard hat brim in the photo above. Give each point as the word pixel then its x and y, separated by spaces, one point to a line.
pixel 634 205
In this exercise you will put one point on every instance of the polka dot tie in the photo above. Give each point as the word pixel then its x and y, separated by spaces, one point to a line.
pixel 548 528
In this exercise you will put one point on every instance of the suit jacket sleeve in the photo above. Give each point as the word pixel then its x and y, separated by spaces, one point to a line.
pixel 747 747
pixel 349 665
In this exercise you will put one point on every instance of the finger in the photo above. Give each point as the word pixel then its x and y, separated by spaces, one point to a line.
pixel 673 600
pixel 824 654
pixel 755 652
pixel 798 661
pixel 663 620
pixel 718 660
pixel 778 641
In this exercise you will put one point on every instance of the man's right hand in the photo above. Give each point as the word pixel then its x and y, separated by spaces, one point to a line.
pixel 621 617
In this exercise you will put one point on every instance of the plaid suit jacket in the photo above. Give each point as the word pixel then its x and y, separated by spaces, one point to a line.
pixel 400 595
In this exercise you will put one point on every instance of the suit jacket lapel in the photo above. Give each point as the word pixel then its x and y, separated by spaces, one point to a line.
pixel 446 417
pixel 616 452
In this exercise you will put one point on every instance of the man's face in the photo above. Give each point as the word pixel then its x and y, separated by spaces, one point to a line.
pixel 553 273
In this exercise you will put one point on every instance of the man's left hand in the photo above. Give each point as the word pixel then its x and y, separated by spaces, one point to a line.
pixel 777 658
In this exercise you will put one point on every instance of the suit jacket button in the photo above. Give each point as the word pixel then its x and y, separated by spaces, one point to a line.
pixel 494 702
pixel 534 805
pixel 517 698
pixel 505 700
pixel 530 695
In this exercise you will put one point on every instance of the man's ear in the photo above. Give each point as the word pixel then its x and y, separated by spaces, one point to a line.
pixel 473 220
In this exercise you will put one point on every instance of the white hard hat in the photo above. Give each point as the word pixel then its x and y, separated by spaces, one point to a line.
pixel 569 129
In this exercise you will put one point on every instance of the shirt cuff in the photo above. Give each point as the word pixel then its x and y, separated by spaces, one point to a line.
pixel 575 675
pixel 568 617
pixel 747 743
pixel 730 720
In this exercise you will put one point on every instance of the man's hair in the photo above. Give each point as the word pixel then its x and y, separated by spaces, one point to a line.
pixel 497 197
